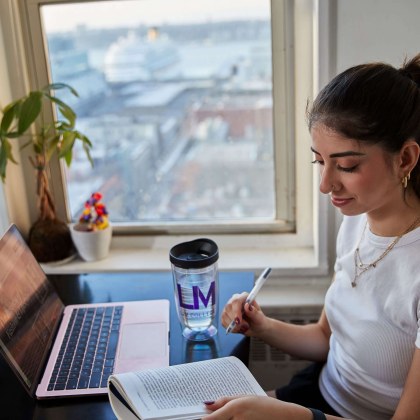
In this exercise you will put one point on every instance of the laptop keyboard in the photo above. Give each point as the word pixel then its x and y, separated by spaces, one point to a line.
pixel 87 355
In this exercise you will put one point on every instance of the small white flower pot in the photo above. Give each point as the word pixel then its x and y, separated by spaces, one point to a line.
pixel 92 246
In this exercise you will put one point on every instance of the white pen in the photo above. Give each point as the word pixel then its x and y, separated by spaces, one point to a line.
pixel 258 284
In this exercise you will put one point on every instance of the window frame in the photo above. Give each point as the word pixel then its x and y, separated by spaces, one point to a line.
pixel 282 116
pixel 4 217
pixel 312 231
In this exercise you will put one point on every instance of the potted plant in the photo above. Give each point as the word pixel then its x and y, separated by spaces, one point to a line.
pixel 92 234
pixel 49 237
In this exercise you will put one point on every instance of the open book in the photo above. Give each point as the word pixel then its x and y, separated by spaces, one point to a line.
pixel 179 392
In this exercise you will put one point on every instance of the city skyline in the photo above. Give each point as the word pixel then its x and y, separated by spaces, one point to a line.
pixel 173 138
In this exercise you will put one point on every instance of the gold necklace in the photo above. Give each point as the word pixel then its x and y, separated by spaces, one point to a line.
pixel 360 267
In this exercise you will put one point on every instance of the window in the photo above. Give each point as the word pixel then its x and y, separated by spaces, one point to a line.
pixel 290 220
pixel 179 107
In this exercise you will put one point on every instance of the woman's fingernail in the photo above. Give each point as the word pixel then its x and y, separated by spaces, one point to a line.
pixel 209 402
pixel 237 321
pixel 251 308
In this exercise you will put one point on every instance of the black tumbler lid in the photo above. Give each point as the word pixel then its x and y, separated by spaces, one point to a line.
pixel 199 253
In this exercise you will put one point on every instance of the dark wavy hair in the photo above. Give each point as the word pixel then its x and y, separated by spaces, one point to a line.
pixel 374 103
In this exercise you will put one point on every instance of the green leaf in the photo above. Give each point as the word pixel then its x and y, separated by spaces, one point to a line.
pixel 68 157
pixel 65 110
pixel 31 107
pixel 9 153
pixel 3 161
pixel 62 126
pixel 69 114
pixel 52 147
pixel 16 104
pixel 83 138
pixel 8 117
pixel 55 99
pixel 57 86
pixel 88 155
pixel 67 142
pixel 57 135
pixel 5 155
pixel 13 135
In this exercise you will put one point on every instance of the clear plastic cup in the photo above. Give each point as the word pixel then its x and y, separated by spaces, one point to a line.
pixel 196 287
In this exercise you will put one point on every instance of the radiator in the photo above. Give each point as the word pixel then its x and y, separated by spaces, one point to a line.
pixel 271 367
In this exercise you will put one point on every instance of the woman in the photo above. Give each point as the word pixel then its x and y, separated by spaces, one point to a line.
pixel 365 129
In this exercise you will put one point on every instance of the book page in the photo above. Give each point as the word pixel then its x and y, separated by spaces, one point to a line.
pixel 179 391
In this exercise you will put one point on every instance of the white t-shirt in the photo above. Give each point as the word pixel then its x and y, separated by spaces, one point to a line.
pixel 375 325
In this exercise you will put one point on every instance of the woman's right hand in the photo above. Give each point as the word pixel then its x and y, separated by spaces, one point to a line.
pixel 250 319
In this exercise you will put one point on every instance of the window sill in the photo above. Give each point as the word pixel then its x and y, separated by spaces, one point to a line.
pixel 295 267
pixel 130 259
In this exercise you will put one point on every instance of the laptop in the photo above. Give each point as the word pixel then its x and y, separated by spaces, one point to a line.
pixel 60 351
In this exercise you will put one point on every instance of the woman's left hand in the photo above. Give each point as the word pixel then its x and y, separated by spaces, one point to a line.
pixel 255 408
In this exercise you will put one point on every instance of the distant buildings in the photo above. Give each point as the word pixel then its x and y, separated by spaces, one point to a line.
pixel 182 127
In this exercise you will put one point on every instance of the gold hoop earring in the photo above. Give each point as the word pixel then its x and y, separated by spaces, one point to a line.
pixel 405 180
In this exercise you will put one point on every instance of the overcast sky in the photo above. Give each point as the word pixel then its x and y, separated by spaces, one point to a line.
pixel 151 12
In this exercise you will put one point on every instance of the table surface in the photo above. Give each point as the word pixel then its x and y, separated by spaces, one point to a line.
pixel 118 287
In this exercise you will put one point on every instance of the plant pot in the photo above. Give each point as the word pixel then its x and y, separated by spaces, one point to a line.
pixel 50 240
pixel 94 245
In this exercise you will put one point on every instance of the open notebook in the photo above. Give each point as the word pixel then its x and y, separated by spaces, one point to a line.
pixel 58 350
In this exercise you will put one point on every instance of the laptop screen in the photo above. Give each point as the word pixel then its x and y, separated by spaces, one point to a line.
pixel 29 309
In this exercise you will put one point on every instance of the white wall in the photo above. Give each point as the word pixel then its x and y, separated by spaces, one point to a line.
pixel 14 189
pixel 373 30
pixel 376 30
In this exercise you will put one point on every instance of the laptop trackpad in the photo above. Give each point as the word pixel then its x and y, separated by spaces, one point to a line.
pixel 140 341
